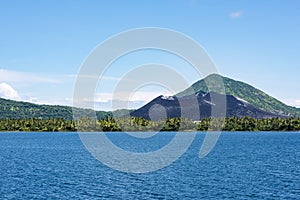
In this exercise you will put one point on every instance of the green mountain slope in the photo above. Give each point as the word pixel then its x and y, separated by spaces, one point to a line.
pixel 244 91
pixel 10 109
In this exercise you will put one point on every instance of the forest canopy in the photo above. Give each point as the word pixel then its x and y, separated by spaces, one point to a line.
pixel 110 124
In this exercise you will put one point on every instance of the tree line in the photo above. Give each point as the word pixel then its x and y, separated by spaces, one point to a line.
pixel 112 124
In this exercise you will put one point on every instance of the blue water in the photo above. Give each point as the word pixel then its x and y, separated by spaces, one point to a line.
pixel 241 166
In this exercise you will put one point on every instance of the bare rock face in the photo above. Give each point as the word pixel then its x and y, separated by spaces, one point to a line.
pixel 198 106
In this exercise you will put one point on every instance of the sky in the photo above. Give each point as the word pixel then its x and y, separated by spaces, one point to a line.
pixel 43 45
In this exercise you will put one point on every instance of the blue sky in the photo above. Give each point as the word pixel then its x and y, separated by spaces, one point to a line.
pixel 43 43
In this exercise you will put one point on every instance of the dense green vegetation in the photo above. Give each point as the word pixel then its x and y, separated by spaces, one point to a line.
pixel 50 125
pixel 252 124
pixel 86 124
pixel 22 110
pixel 244 91
pixel 10 109
pixel 139 124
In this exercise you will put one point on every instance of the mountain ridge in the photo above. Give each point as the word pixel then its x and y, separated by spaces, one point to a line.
pixel 245 91
pixel 173 107
pixel 10 109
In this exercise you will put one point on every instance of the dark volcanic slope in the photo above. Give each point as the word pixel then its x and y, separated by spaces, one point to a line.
pixel 162 107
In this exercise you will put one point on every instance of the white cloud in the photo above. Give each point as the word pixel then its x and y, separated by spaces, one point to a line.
pixel 125 96
pixel 236 14
pixel 120 100
pixel 101 101
pixel 16 76
pixel 292 102
pixel 6 91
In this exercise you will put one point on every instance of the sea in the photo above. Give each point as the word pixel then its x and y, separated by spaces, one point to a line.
pixel 242 165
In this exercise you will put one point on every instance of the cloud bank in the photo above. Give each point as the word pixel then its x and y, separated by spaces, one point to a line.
pixel 8 92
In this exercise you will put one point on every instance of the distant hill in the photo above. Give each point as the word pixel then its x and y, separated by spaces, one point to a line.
pixel 246 92
pixel 171 107
pixel 10 109
pixel 242 100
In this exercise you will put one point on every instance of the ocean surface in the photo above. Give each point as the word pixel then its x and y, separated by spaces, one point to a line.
pixel 256 165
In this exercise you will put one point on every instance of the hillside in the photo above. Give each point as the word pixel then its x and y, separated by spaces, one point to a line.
pixel 257 101
pixel 10 109
pixel 246 92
